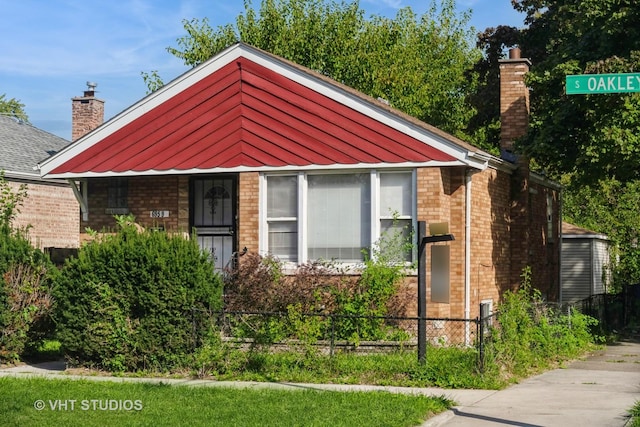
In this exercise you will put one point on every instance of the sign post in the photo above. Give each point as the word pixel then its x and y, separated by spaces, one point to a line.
pixel 423 240
pixel 602 83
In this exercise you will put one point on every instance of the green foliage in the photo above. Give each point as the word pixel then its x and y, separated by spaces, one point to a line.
pixel 484 126
pixel 135 300
pixel 610 207
pixel 533 335
pixel 152 80
pixel 25 305
pixel 10 201
pixel 593 137
pixel 447 367
pixel 453 367
pixel 319 301
pixel 25 299
pixel 417 63
pixel 634 413
pixel 364 306
pixel 13 108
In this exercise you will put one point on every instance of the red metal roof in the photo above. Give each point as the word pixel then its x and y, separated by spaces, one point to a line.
pixel 245 114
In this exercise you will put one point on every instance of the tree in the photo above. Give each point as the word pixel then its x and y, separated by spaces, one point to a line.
pixel 592 137
pixel 12 107
pixel 589 142
pixel 611 207
pixel 417 63
pixel 484 125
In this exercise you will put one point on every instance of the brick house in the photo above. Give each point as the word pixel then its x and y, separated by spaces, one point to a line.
pixel 50 209
pixel 251 151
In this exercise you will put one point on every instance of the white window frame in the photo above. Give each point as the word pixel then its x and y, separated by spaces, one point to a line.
pixel 376 217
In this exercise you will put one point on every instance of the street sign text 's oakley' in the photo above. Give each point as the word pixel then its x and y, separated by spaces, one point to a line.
pixel 603 83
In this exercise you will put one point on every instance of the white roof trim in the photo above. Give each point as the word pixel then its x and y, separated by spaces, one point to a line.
pixel 33 178
pixel 238 169
pixel 225 57
pixel 597 236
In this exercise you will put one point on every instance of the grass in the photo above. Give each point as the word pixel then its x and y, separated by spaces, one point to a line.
pixel 56 402
pixel 444 367
pixel 635 416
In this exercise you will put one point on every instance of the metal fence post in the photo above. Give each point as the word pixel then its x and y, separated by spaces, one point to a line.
pixel 333 335
pixel 422 293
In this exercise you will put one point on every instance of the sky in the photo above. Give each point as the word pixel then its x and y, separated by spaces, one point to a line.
pixel 50 49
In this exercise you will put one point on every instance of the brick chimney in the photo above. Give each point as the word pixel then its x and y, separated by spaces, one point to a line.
pixel 514 118
pixel 87 112
pixel 514 101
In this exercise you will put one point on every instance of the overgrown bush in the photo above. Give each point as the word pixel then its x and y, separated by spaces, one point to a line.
pixel 307 298
pixel 532 335
pixel 25 298
pixel 135 300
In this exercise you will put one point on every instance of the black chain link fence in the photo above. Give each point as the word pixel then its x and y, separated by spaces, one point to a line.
pixel 330 332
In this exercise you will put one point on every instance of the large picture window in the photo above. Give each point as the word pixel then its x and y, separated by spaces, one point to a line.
pixel 334 216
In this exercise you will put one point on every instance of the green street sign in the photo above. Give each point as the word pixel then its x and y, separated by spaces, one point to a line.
pixel 603 83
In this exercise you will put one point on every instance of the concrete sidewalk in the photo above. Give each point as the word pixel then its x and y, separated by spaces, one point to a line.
pixel 597 391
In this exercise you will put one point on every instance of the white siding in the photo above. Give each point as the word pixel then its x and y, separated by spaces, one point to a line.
pixel 583 262
pixel 576 269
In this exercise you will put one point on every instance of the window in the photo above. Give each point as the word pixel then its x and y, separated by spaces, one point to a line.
pixel 334 216
pixel 117 196
pixel 282 216
pixel 550 236
pixel 339 216
pixel 396 207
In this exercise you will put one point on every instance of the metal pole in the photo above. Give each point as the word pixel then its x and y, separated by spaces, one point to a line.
pixel 422 292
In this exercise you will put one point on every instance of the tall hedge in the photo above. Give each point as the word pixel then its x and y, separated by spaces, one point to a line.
pixel 25 272
pixel 135 300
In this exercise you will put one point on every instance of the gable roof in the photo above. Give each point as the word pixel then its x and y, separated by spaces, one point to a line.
pixel 246 109
pixel 22 146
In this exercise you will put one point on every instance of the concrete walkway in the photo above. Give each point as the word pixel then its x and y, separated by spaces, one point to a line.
pixel 597 391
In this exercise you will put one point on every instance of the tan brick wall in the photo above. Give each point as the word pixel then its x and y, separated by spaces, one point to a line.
pixel 144 195
pixel 52 213
pixel 441 198
pixel 495 266
pixel 248 211
pixel 490 239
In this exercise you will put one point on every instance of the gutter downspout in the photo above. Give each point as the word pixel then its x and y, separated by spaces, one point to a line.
pixel 467 254
pixel 560 241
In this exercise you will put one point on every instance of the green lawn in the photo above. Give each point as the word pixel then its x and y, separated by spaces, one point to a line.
pixel 66 402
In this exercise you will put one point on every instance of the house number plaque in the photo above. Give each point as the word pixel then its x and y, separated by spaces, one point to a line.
pixel 159 214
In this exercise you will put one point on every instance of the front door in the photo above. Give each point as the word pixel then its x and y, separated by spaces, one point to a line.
pixel 214 204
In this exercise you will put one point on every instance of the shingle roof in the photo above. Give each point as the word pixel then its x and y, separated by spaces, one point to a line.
pixel 570 230
pixel 22 146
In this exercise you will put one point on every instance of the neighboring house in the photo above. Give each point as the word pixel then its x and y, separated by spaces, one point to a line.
pixel 50 209
pixel 585 257
pixel 251 151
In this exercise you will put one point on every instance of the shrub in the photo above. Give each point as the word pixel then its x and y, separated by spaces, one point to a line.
pixel 297 302
pixel 25 271
pixel 135 300
pixel 532 334
pixel 27 304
